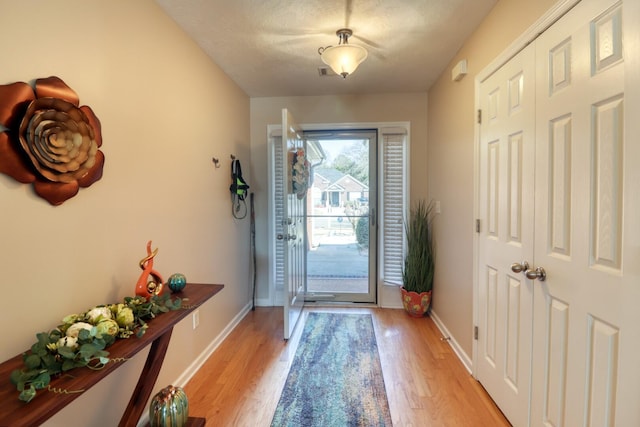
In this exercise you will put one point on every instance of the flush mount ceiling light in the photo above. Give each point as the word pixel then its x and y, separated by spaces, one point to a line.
pixel 343 58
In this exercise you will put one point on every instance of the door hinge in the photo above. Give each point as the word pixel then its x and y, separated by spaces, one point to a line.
pixel 477 225
pixel 475 332
pixel 479 116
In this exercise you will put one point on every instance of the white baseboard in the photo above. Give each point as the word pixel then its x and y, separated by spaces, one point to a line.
pixel 264 302
pixel 464 358
pixel 199 361
pixel 184 378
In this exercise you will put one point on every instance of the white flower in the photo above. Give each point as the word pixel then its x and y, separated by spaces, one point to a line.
pixel 68 342
pixel 97 314
pixel 75 329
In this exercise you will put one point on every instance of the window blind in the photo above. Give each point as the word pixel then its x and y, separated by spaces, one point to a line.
pixel 394 201
pixel 278 196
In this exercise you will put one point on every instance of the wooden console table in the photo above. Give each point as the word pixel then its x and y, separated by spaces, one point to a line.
pixel 14 412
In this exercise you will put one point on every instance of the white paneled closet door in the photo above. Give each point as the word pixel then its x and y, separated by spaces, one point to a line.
pixel 587 238
pixel 505 297
pixel 582 244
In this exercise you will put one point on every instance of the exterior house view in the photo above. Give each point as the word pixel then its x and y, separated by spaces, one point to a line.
pixel 334 188
pixel 524 139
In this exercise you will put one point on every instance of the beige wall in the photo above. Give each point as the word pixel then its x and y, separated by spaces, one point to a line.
pixel 451 164
pixel 411 107
pixel 166 110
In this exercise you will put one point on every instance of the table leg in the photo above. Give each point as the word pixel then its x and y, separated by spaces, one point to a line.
pixel 147 380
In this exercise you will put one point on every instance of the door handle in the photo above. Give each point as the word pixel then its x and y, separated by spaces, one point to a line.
pixel 520 267
pixel 538 273
pixel 286 236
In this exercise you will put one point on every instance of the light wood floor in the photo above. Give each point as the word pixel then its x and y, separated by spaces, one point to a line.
pixel 426 384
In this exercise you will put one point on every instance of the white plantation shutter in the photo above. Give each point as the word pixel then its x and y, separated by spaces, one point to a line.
pixel 393 202
pixel 278 196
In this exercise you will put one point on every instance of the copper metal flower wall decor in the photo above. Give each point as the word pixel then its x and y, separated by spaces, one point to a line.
pixel 49 140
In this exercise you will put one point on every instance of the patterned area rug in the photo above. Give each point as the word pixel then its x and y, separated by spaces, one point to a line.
pixel 336 377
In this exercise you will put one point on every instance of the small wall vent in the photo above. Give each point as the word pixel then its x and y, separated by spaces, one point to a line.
pixel 326 72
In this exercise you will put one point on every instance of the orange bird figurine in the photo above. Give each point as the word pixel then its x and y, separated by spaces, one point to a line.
pixel 145 287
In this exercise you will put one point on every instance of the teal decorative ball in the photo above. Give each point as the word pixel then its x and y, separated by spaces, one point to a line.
pixel 177 282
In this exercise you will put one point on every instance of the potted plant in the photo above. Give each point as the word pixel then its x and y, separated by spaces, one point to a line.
pixel 419 261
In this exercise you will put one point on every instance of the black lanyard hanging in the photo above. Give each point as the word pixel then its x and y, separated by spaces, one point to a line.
pixel 239 189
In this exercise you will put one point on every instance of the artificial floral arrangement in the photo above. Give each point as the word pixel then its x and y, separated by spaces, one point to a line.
pixel 299 173
pixel 81 339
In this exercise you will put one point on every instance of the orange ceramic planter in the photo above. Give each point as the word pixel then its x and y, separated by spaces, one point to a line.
pixel 416 304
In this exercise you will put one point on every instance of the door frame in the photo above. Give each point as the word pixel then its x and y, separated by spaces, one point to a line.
pixel 386 295
pixel 544 22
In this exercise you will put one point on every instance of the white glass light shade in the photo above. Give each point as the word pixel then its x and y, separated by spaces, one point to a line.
pixel 344 58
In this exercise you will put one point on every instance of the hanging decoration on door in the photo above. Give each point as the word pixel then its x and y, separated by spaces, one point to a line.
pixel 47 139
pixel 299 172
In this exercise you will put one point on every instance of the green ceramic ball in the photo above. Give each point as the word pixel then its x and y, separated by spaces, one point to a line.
pixel 177 282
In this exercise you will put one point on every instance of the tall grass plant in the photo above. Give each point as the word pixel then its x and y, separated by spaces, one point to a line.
pixel 419 261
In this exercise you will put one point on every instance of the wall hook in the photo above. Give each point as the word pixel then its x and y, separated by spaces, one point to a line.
pixel 216 162
pixel 233 157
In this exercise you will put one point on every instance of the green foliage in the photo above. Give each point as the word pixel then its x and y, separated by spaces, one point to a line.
pixel 362 232
pixel 419 262
pixel 354 161
pixel 58 351
pixel 353 211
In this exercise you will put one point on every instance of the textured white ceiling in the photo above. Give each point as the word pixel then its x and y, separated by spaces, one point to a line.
pixel 270 47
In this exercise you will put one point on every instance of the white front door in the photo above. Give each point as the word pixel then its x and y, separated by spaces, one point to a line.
pixel 587 236
pixel 505 297
pixel 294 222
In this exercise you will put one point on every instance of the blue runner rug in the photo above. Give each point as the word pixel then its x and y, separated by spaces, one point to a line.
pixel 336 377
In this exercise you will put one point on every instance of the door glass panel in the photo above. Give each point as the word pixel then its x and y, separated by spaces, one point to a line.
pixel 339 265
